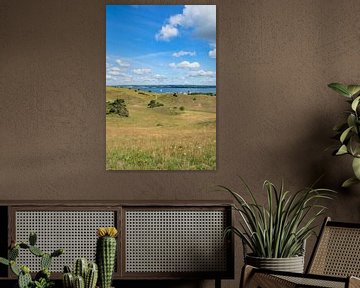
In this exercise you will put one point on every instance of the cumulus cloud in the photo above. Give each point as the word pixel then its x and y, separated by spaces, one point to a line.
pixel 184 53
pixel 186 65
pixel 200 18
pixel 160 77
pixel 212 53
pixel 167 31
pixel 142 71
pixel 202 73
pixel 121 63
pixel 113 71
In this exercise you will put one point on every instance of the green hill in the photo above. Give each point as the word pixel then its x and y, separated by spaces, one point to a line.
pixel 180 135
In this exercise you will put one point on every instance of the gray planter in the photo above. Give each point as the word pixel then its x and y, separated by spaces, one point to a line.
pixel 291 264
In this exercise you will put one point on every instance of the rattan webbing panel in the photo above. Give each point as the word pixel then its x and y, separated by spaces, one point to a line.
pixel 338 253
pixel 75 231
pixel 174 241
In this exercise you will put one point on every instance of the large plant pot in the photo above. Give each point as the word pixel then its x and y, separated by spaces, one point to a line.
pixel 291 264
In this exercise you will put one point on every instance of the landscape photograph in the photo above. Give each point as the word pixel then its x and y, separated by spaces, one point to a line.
pixel 161 87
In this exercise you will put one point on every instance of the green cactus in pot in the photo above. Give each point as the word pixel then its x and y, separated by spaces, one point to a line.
pixel 85 275
pixel 106 254
pixel 42 278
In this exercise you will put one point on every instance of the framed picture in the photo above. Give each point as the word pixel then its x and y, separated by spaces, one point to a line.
pixel 161 87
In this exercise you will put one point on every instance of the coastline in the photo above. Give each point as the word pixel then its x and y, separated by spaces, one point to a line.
pixel 209 90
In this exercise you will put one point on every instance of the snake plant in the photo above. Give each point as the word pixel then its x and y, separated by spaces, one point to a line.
pixel 348 132
pixel 279 228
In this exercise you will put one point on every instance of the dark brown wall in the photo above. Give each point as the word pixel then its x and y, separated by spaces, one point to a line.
pixel 275 113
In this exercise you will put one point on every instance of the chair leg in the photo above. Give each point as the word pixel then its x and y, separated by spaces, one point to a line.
pixel 217 283
pixel 246 273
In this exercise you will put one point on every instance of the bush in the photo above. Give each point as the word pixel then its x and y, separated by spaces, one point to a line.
pixel 118 107
pixel 182 108
pixel 154 103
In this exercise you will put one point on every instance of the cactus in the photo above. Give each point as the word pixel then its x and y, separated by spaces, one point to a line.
pixel 42 278
pixel 32 238
pixel 90 272
pixel 13 253
pixel 57 252
pixel 24 279
pixel 44 273
pixel 106 254
pixel 80 267
pixel 36 251
pixel 79 282
pixel 14 268
pixel 91 276
pixel 45 261
pixel 68 280
pixel 4 261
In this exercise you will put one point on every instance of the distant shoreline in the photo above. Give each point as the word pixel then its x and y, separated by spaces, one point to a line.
pixel 181 89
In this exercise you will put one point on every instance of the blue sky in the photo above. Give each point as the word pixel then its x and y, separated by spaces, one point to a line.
pixel 160 44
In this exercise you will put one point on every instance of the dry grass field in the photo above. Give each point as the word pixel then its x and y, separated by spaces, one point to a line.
pixel 181 135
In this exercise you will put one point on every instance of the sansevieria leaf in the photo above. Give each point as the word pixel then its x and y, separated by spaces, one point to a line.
pixel 279 228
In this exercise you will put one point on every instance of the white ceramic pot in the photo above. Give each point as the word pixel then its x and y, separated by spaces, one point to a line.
pixel 291 264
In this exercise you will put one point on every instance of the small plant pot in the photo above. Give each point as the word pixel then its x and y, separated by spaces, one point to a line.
pixel 291 264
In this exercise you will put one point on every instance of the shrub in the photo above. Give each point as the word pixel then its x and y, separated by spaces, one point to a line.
pixel 118 107
pixel 154 103
pixel 182 108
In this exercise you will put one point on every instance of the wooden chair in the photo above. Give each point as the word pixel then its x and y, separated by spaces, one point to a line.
pixel 335 262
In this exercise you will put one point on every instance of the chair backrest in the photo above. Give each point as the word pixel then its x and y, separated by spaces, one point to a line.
pixel 337 251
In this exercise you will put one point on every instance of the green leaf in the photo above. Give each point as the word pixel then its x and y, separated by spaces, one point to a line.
pixel 356 167
pixel 353 89
pixel 351 120
pixel 345 134
pixel 354 145
pixel 340 88
pixel 349 182
pixel 342 150
pixel 355 103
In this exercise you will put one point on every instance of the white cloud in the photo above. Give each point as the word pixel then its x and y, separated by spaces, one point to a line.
pixel 202 73
pixel 113 71
pixel 121 63
pixel 185 65
pixel 184 53
pixel 212 53
pixel 160 77
pixel 166 33
pixel 142 71
pixel 200 18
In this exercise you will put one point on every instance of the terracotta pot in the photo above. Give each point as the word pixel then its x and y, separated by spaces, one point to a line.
pixel 291 264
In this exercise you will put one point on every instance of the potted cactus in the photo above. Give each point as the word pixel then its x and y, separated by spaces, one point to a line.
pixel 84 275
pixel 106 254
pixel 42 278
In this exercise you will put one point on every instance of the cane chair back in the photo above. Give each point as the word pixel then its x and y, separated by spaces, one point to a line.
pixel 337 252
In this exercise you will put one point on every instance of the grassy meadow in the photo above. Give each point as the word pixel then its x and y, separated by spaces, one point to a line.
pixel 181 135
